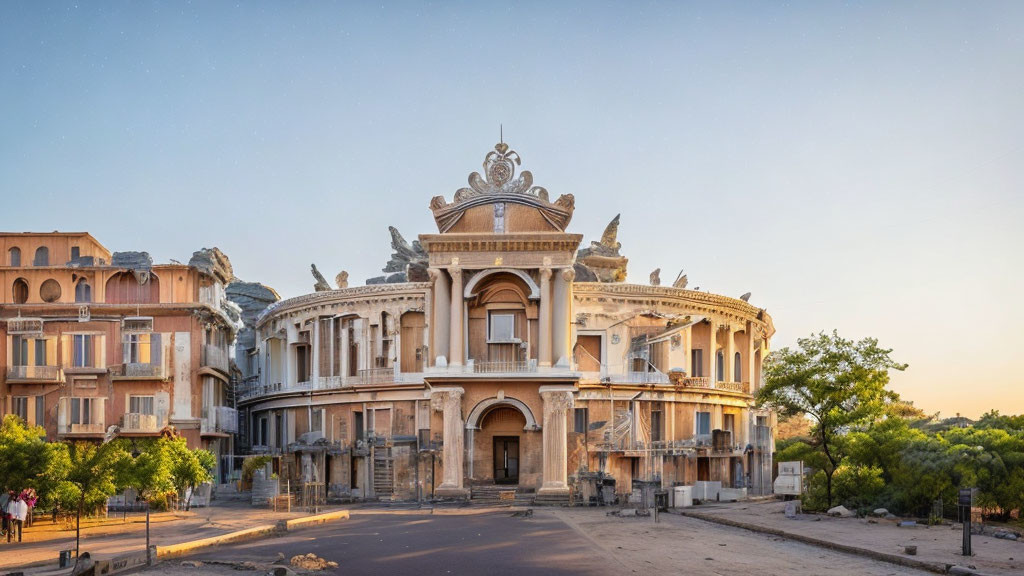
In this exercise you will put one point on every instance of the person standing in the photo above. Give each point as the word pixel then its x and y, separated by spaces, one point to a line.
pixel 5 498
pixel 18 511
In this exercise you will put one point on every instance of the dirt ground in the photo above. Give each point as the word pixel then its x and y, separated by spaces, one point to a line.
pixel 678 545
pixel 938 544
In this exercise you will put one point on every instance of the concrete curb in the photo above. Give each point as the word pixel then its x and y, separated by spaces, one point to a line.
pixel 873 554
pixel 256 532
pixel 438 511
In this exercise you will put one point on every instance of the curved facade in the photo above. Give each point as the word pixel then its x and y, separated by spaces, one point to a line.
pixel 496 351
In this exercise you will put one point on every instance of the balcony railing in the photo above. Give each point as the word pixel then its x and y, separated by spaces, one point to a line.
pixel 38 373
pixel 137 370
pixel 134 423
pixel 88 418
pixel 646 377
pixel 504 366
pixel 215 357
pixel 376 376
pixel 223 419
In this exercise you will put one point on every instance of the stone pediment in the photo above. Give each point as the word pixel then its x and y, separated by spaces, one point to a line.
pixel 498 186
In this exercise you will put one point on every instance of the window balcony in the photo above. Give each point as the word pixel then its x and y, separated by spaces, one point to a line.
pixel 219 420
pixel 214 357
pixel 35 374
pixel 503 366
pixel 81 415
pixel 134 423
pixel 139 371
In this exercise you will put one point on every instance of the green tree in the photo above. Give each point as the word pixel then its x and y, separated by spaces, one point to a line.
pixel 837 383
pixel 148 470
pixel 27 460
pixel 189 468
pixel 92 476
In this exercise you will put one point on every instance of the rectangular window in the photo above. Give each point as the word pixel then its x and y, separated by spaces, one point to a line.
pixel 703 423
pixel 580 420
pixel 697 363
pixel 40 352
pixel 657 426
pixel 81 410
pixel 728 421
pixel 502 328
pixel 19 351
pixel 317 423
pixel 19 407
pixel 40 411
pixel 75 252
pixel 138 348
pixel 83 351
pixel 141 405
pixel 261 431
pixel 357 420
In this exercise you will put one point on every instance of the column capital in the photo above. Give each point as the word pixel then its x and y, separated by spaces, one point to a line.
pixel 557 398
pixel 434 274
pixel 545 274
pixel 455 270
pixel 446 398
pixel 568 274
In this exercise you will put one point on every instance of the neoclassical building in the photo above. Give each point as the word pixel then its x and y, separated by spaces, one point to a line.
pixel 496 351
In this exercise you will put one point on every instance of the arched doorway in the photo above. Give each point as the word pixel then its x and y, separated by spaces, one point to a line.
pixel 501 428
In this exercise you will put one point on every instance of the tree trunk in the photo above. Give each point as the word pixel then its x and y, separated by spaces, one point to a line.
pixel 832 466
pixel 78 529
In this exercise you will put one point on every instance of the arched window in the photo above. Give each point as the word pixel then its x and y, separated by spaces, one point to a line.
pixel 720 366
pixel 83 291
pixel 42 256
pixel 20 291
pixel 737 369
pixel 15 256
pixel 123 288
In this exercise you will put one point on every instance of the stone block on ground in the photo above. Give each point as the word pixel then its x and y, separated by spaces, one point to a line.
pixel 840 511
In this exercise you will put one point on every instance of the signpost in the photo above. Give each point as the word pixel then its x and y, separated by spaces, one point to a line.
pixel 965 502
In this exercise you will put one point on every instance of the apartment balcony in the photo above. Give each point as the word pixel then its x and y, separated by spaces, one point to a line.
pixel 371 376
pixel 28 374
pixel 503 366
pixel 219 420
pixel 134 423
pixel 214 357
pixel 81 415
pixel 139 371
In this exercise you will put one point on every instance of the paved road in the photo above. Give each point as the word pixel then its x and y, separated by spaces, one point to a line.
pixel 426 545
pixel 564 542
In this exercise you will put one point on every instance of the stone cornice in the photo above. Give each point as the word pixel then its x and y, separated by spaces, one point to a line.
pixel 372 293
pixel 498 243
pixel 667 297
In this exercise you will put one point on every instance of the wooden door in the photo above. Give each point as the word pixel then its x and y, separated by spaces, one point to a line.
pixel 412 342
pixel 506 459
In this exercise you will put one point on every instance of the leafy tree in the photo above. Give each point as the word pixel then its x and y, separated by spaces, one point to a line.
pixel 148 470
pixel 189 468
pixel 92 475
pixel 837 383
pixel 27 460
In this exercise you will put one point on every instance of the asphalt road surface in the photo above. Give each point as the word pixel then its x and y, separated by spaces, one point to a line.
pixel 428 545
pixel 565 542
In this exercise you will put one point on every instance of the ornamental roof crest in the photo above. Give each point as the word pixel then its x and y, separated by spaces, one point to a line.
pixel 499 184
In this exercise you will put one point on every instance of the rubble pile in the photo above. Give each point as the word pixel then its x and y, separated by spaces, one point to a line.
pixel 312 562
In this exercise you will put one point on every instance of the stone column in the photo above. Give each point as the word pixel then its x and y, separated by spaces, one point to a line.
pixel 751 365
pixel 562 316
pixel 557 402
pixel 449 401
pixel 440 316
pixel 712 353
pixel 457 342
pixel 314 373
pixel 688 351
pixel 346 355
pixel 729 350
pixel 544 330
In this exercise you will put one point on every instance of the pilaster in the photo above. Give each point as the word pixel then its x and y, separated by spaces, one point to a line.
pixel 557 402
pixel 449 402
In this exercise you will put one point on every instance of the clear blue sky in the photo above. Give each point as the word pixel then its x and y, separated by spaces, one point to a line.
pixel 856 166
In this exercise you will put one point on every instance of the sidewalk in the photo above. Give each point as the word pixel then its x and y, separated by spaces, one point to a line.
pixel 44 541
pixel 938 546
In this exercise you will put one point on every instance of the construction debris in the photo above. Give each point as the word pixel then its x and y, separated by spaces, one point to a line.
pixel 312 562
pixel 841 512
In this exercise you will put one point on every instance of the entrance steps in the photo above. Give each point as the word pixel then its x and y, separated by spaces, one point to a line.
pixel 551 500
pixel 491 495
